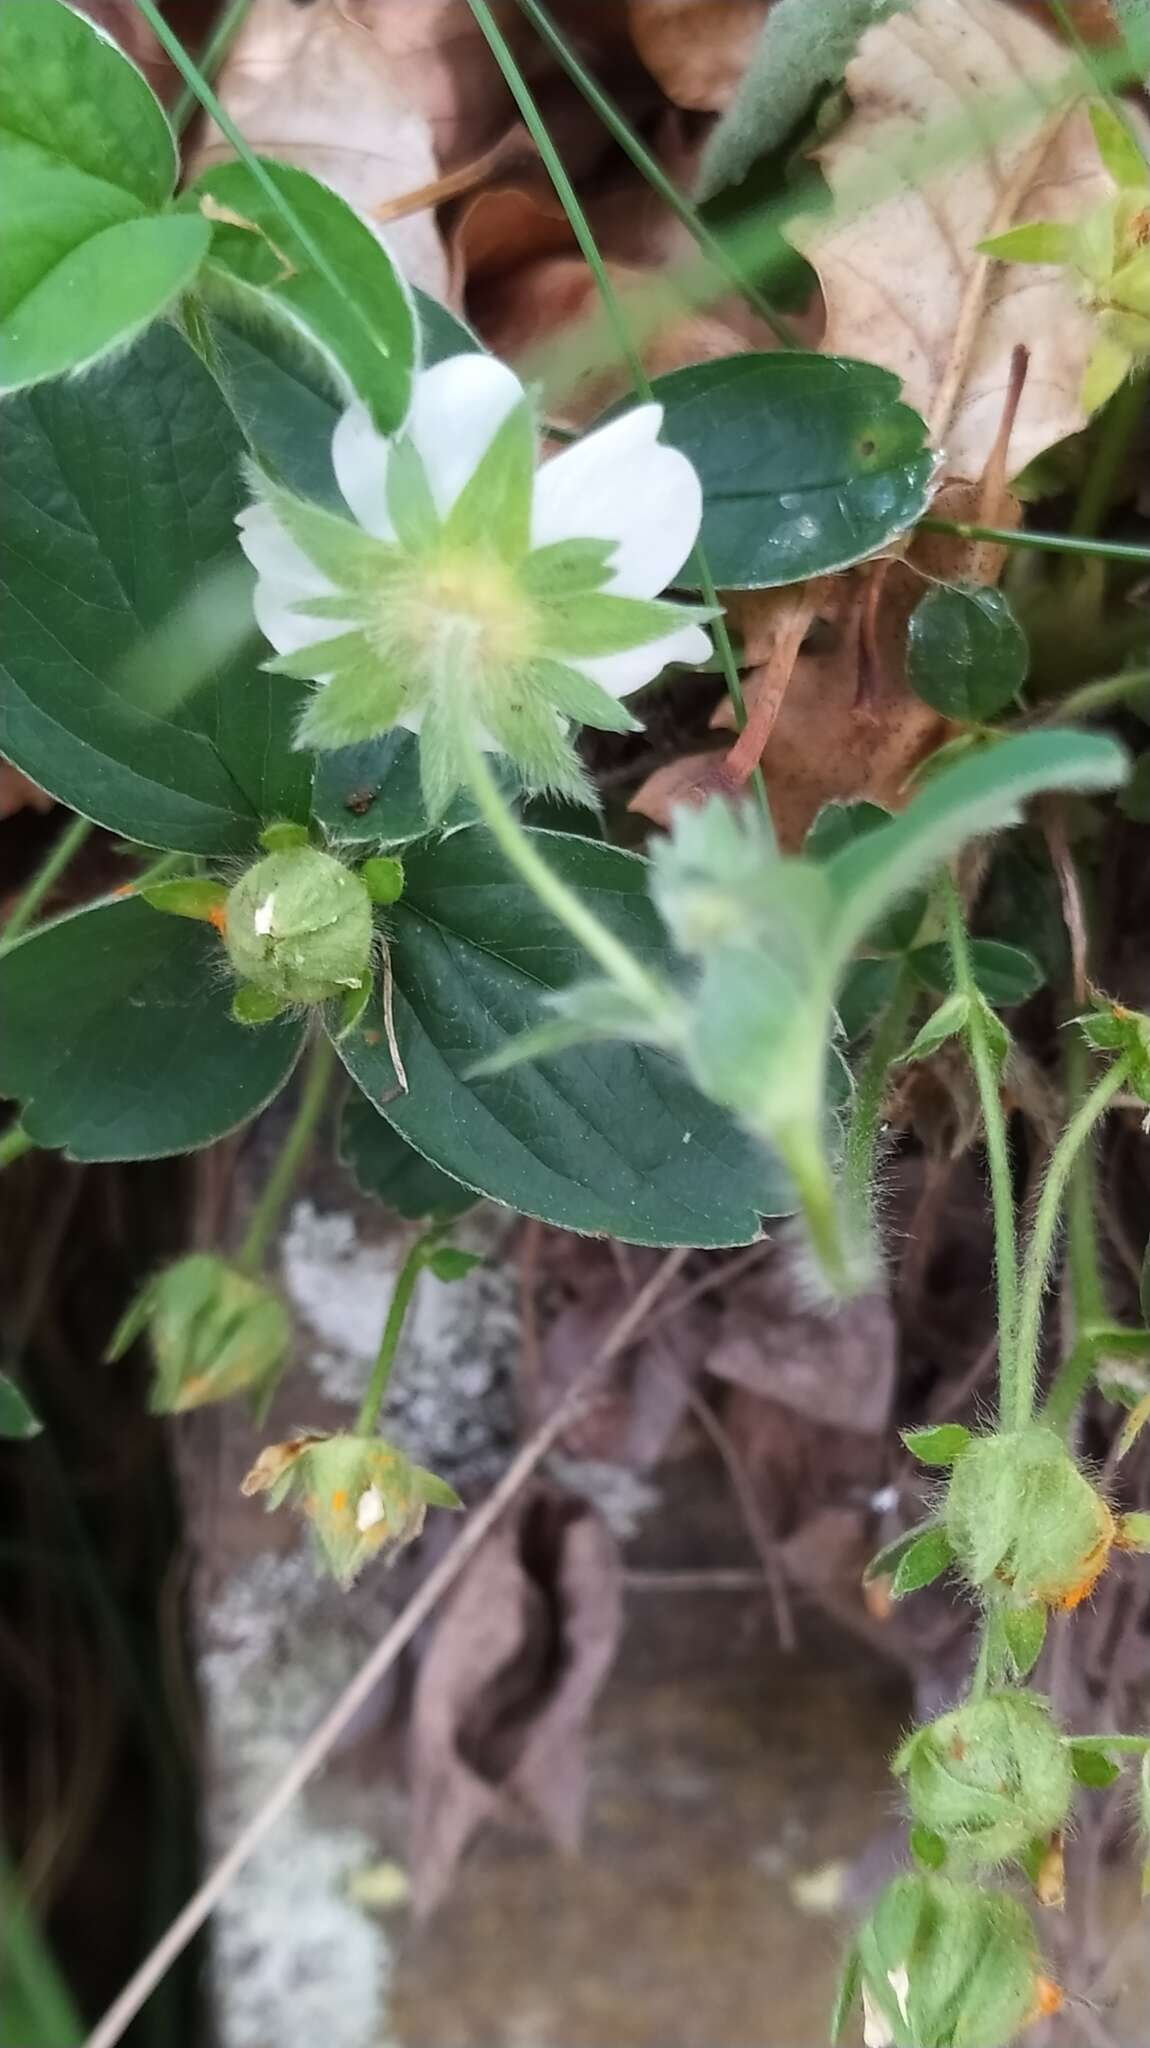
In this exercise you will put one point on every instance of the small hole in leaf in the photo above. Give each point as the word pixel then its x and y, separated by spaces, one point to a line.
pixel 867 445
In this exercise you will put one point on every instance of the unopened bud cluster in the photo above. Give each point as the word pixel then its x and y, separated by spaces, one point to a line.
pixel 213 1332
pixel 989 1779
pixel 361 1496
pixel 1024 1520
pixel 942 1964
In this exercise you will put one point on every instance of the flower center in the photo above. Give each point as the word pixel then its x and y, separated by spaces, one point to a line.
pixel 478 591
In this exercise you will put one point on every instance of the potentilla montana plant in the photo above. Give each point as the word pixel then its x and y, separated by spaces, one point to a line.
pixel 334 871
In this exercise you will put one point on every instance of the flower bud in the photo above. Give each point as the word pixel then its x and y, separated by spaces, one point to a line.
pixel 1020 1514
pixel 299 927
pixel 989 1778
pixel 946 1965
pixel 362 1497
pixel 213 1332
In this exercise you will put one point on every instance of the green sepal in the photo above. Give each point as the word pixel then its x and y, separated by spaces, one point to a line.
pixel 1036 241
pixel 433 1491
pixel 382 877
pixel 1134 1532
pixel 186 898
pixel 256 1006
pixel 282 836
pixel 1093 1767
pixel 925 1561
pixel 410 505
pixel 576 696
pixel 494 507
pixel 362 700
pixel 885 1562
pixel 583 628
pixel 1116 146
pixel 1113 1028
pixel 950 1020
pixel 567 568
pixel 927 1848
pixel 447 1263
pixel 939 1445
pixel 338 547
pixel 1024 1630
pixel 352 1005
pixel 846 1994
pixel 18 1422
pixel 131 1324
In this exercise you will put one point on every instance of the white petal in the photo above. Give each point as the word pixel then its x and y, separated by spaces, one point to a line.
pixel 273 553
pixel 369 1510
pixel 458 408
pixel 359 456
pixel 265 913
pixel 288 630
pixel 619 674
pixel 620 483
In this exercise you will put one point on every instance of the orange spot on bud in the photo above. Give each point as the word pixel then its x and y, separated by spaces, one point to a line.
pixel 218 916
pixel 339 1501
pixel 125 889
pixel 1049 1998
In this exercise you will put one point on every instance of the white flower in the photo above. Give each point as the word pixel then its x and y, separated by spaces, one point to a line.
pixel 474 584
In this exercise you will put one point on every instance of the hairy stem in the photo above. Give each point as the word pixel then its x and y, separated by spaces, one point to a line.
pixel 1050 543
pixel 367 1420
pixel 1044 1232
pixel 292 1153
pixel 592 255
pixel 997 1148
pixel 616 959
pixel 887 1041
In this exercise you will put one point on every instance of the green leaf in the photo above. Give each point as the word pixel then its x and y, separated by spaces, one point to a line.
pixel 435 1491
pixel 288 403
pixel 846 1994
pixel 837 826
pixel 386 1167
pixel 365 331
pixel 122 490
pixel 1025 1631
pixel 938 1445
pixel 980 793
pixel 98 296
pixel 950 1020
pixel 966 653
pixel 807 462
pixel 116 1036
pixel 609 1140
pixel 16 1417
pixel 86 160
pixel 371 794
pixel 1117 148
pixel 867 988
pixel 1114 1028
pixel 924 1561
pixel 1005 974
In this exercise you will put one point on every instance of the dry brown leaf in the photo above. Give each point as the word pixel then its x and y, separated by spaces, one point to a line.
pixel 502 231
pixel 903 283
pixel 837 1369
pixel 17 793
pixel 698 50
pixel 376 97
pixel 502 1700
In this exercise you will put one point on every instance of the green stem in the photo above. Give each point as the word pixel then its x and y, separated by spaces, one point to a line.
pixel 885 1046
pixel 1084 1266
pixel 229 21
pixel 166 865
pixel 1040 1249
pixel 1050 543
pixel 62 851
pixel 616 959
pixel 194 78
pixel 1098 696
pixel 624 341
pixel 997 1146
pixel 617 125
pixel 13 1145
pixel 281 1180
pixel 1116 436
pixel 366 1422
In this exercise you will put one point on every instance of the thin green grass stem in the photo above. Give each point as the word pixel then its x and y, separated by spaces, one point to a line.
pixel 281 1180
pixel 367 1421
